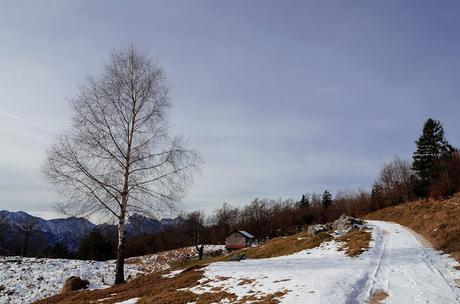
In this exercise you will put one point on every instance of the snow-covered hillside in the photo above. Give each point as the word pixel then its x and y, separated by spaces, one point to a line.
pixel 23 280
pixel 398 266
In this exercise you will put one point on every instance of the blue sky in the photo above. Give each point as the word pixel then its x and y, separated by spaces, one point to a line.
pixel 280 97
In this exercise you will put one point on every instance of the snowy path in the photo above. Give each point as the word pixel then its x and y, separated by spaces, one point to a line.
pixel 411 272
pixel 397 264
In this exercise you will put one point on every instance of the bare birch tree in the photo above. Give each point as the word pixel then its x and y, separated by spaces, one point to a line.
pixel 194 226
pixel 118 157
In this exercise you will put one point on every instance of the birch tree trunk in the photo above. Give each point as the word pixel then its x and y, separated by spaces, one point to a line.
pixel 120 268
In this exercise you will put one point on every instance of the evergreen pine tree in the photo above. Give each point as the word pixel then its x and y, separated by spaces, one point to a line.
pixel 326 199
pixel 304 201
pixel 431 146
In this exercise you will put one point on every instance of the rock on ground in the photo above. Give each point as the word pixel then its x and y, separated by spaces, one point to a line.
pixel 346 223
pixel 316 229
pixel 74 283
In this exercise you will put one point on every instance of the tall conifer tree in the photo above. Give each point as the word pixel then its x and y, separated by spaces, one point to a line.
pixel 431 147
pixel 326 199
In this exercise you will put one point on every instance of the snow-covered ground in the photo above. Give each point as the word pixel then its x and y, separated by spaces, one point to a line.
pixel 27 279
pixel 23 280
pixel 397 264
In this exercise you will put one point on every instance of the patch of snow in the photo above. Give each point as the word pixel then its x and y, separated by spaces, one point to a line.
pixel 26 280
pixel 29 279
pixel 396 263
pixel 172 274
pixel 130 301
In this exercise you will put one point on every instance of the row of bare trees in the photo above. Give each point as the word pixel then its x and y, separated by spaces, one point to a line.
pixel 394 185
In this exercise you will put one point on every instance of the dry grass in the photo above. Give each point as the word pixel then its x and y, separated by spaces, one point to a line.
pixel 265 299
pixel 160 260
pixel 286 245
pixel 272 248
pixel 378 297
pixel 355 242
pixel 143 286
pixel 153 288
pixel 437 221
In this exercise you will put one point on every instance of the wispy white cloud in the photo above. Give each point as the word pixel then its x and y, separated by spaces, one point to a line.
pixel 25 121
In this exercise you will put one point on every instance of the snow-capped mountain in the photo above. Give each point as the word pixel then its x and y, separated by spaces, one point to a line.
pixel 20 229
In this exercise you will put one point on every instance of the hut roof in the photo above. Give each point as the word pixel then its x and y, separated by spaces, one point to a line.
pixel 246 234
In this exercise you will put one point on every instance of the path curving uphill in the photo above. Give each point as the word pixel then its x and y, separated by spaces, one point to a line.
pixel 409 271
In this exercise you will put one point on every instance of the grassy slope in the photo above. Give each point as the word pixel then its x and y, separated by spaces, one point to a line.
pixel 154 288
pixel 355 242
pixel 437 221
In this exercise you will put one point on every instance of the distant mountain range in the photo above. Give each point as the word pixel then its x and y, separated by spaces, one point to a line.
pixel 21 231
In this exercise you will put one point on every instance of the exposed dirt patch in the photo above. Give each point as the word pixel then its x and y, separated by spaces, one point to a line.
pixel 378 297
pixel 436 220
pixel 265 299
pixel 222 278
pixel 355 242
pixel 279 281
pixel 246 281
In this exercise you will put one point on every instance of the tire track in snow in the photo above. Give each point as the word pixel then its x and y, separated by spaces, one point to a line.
pixel 409 270
pixel 379 238
pixel 366 286
pixel 428 258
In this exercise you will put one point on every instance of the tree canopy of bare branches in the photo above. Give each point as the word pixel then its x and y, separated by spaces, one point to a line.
pixel 396 181
pixel 118 157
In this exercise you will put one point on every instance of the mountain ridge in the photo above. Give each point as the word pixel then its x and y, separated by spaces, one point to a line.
pixel 20 229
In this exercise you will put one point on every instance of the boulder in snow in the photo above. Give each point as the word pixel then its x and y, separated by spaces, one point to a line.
pixel 316 229
pixel 346 223
pixel 74 283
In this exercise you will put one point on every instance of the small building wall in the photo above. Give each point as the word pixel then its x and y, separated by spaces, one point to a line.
pixel 235 240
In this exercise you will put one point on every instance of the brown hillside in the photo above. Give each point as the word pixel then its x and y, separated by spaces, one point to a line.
pixel 436 220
